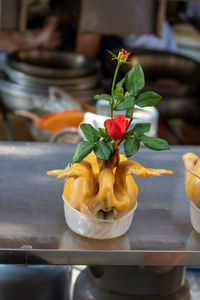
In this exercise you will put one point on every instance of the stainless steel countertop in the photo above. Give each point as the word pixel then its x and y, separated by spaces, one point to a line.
pixel 33 228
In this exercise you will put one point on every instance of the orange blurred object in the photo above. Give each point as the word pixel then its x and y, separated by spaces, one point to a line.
pixel 60 120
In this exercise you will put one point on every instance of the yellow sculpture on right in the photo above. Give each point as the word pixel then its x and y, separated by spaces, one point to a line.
pixel 192 177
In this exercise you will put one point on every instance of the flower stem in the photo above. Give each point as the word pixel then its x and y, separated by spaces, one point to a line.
pixel 113 87
pixel 120 141
pixel 115 76
pixel 131 119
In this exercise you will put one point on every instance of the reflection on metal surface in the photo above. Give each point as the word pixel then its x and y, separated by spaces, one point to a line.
pixel 193 241
pixel 73 241
pixel 26 247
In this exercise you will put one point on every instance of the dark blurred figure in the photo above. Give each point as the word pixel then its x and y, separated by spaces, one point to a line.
pixel 13 26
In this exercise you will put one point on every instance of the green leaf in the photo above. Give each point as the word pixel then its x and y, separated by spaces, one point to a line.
pixel 110 146
pixel 117 97
pixel 90 132
pixel 119 91
pixel 141 128
pixel 155 143
pixel 106 97
pixel 129 112
pixel 131 146
pixel 102 150
pixel 134 80
pixel 81 151
pixel 148 99
pixel 120 83
pixel 127 103
pixel 112 54
pixel 138 130
pixel 103 132
pixel 117 100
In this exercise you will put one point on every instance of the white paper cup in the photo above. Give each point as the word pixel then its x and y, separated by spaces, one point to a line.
pixel 195 216
pixel 95 228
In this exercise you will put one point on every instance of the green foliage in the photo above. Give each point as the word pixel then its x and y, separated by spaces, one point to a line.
pixel 119 91
pixel 131 146
pixel 155 143
pixel 124 96
pixel 90 132
pixel 82 150
pixel 138 130
pixel 103 132
pixel 120 83
pixel 141 128
pixel 127 103
pixel 129 112
pixel 109 145
pixel 106 97
pixel 148 99
pixel 103 149
pixel 134 80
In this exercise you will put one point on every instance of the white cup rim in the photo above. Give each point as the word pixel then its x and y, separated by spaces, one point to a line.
pixel 99 220
pixel 193 205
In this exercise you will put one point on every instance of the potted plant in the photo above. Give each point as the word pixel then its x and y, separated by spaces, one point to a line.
pixel 100 194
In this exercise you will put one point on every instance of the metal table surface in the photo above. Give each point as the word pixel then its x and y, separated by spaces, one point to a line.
pixel 33 228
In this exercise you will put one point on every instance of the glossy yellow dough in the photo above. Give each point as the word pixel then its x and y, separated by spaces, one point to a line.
pixel 192 177
pixel 103 189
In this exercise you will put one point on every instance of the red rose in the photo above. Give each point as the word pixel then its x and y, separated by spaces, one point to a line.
pixel 116 127
pixel 123 55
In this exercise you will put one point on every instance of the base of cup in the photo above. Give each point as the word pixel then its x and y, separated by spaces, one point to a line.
pixel 95 228
pixel 195 216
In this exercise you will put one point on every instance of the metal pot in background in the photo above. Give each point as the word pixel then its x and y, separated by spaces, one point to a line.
pixel 32 72
pixel 36 68
pixel 15 96
pixel 52 64
pixel 40 82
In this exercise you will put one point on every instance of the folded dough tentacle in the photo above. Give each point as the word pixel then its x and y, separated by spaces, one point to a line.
pixel 103 189
pixel 130 167
pixel 104 198
pixel 196 174
pixel 56 173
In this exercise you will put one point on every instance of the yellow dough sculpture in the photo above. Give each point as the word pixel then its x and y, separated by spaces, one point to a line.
pixel 192 177
pixel 103 189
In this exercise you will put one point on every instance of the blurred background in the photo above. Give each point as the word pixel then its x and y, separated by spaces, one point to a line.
pixel 54 59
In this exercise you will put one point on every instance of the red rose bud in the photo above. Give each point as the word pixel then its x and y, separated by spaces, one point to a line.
pixel 116 127
pixel 123 55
